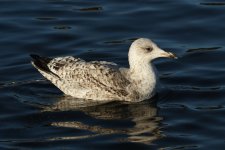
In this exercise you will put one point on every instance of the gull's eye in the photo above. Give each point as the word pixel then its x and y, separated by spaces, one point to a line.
pixel 149 49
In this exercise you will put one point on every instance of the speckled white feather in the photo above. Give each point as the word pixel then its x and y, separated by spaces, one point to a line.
pixel 102 81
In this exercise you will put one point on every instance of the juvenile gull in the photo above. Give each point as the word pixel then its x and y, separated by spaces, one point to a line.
pixel 101 80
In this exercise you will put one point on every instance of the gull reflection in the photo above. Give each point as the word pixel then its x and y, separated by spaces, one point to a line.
pixel 142 119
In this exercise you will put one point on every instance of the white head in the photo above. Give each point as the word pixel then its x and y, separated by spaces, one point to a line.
pixel 143 50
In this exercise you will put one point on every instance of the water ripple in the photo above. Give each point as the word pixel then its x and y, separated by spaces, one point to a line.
pixel 187 112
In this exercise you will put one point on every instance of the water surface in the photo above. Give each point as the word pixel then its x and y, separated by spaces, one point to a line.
pixel 187 113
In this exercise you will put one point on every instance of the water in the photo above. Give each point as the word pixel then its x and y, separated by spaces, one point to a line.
pixel 187 113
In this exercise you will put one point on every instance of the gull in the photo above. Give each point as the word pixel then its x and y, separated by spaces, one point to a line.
pixel 106 81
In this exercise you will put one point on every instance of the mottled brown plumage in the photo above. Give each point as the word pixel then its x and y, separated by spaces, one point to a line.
pixel 100 80
pixel 82 79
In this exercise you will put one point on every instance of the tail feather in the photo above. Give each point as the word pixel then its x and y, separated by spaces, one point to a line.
pixel 41 63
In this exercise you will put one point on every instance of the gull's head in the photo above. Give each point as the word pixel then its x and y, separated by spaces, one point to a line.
pixel 144 49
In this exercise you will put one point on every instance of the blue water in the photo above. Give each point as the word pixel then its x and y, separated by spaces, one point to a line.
pixel 188 112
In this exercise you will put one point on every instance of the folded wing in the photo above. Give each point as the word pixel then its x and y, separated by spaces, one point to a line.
pixel 76 75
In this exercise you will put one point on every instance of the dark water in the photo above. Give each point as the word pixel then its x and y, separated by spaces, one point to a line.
pixel 188 112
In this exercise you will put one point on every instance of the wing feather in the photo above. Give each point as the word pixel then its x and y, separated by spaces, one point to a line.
pixel 89 75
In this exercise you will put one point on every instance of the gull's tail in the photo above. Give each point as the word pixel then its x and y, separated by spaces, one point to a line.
pixel 41 63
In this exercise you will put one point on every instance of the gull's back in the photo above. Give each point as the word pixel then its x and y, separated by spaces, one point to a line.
pixel 97 80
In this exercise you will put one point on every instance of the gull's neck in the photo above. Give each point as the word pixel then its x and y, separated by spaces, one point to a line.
pixel 143 77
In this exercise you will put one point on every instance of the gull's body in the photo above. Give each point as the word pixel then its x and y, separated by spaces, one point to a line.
pixel 100 80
